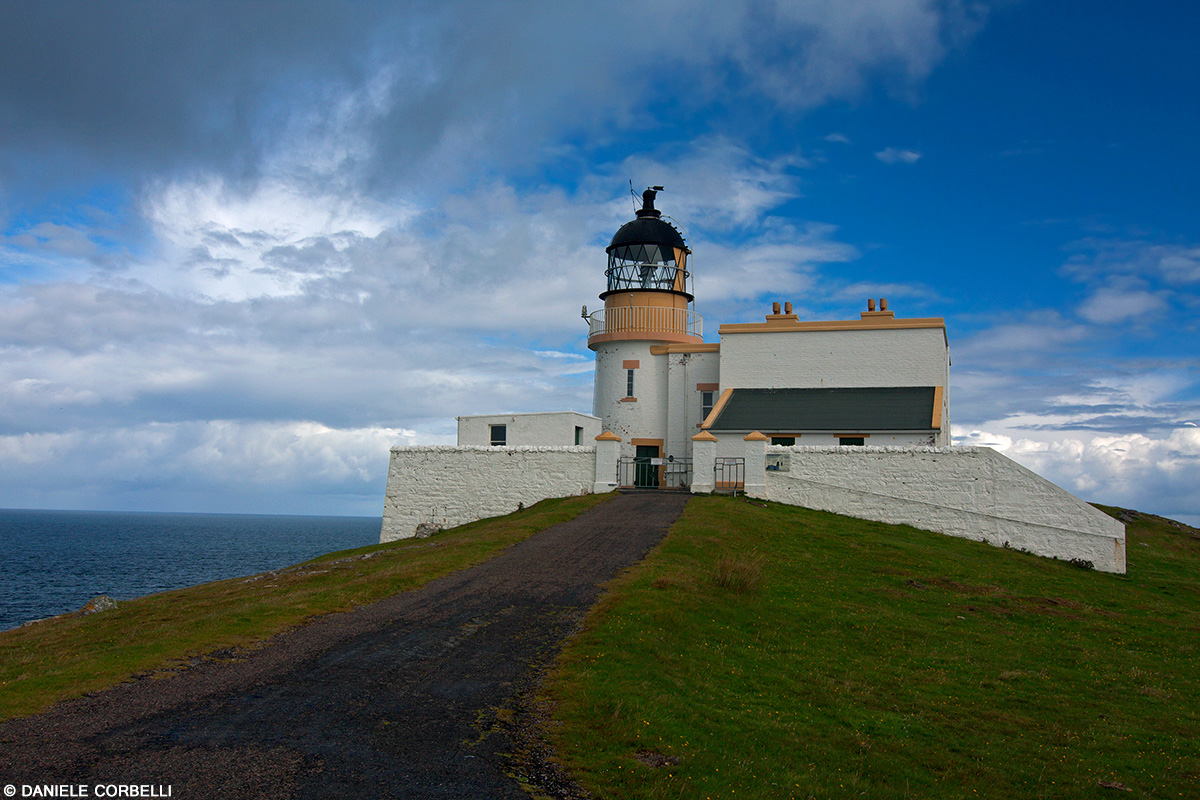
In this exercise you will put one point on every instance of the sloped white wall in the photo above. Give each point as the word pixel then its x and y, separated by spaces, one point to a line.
pixel 971 492
pixel 451 486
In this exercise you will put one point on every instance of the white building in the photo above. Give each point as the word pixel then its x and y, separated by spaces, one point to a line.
pixel 553 429
pixel 876 380
pixel 851 416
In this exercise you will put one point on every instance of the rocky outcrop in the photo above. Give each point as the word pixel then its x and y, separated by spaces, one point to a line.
pixel 99 603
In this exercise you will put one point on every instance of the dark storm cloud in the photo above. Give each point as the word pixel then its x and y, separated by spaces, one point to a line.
pixel 154 84
pixel 376 94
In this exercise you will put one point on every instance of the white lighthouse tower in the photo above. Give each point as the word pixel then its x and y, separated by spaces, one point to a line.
pixel 646 305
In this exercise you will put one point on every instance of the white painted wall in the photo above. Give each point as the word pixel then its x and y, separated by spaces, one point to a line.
pixel 731 440
pixel 684 372
pixel 814 359
pixel 546 429
pixel 451 486
pixel 647 417
pixel 972 492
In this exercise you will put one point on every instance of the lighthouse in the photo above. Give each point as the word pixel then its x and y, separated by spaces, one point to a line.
pixel 647 316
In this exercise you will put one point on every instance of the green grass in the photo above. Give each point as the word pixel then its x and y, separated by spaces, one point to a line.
pixel 770 651
pixel 71 655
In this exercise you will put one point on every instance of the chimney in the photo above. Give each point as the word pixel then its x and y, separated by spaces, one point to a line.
pixel 775 309
pixel 787 308
pixel 881 314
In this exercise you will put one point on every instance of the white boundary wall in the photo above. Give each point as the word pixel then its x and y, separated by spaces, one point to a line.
pixel 972 492
pixel 450 486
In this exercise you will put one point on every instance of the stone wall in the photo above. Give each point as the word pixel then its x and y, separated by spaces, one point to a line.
pixel 450 486
pixel 972 492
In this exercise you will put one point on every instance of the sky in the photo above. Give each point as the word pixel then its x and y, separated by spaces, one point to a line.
pixel 245 248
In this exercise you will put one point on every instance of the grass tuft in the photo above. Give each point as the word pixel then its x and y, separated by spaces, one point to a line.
pixel 738 574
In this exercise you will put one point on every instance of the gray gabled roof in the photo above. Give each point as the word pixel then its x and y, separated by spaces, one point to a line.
pixel 884 408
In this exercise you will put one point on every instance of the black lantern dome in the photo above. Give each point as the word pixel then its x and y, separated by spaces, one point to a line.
pixel 647 254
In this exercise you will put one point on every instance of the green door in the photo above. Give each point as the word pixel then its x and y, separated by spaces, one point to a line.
pixel 645 474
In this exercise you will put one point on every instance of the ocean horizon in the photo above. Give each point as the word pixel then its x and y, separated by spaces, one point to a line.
pixel 53 562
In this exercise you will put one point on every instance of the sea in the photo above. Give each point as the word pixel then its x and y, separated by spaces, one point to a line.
pixel 52 562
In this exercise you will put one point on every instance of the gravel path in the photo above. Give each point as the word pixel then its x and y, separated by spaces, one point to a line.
pixel 407 697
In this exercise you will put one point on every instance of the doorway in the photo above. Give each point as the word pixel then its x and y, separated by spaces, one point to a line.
pixel 645 471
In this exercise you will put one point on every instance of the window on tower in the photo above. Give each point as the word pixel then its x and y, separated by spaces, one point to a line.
pixel 706 404
pixel 629 383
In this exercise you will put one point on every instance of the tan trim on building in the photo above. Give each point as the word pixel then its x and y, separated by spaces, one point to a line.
pixel 630 363
pixel 704 436
pixel 707 387
pixel 700 347
pixel 608 436
pixel 628 400
pixel 755 436
pixel 852 435
pixel 716 410
pixel 937 408
pixel 642 299
pixel 643 336
pixel 874 323
pixel 792 317
pixel 877 314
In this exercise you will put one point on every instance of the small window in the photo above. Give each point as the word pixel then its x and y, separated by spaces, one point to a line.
pixel 852 441
pixel 783 441
pixel 499 435
pixel 706 404
pixel 629 383
pixel 578 435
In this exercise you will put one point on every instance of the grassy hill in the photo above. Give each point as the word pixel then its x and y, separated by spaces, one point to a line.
pixel 770 651
pixel 70 655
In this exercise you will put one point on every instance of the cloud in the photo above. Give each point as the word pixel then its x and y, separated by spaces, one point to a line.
pixel 1121 470
pixel 1175 264
pixel 1113 305
pixel 839 138
pixel 892 155
pixel 276 467
pixel 379 95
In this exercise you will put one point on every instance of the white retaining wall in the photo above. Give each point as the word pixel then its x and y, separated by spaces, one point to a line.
pixel 972 492
pixel 451 486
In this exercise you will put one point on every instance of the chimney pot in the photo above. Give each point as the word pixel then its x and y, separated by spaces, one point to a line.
pixel 775 308
pixel 870 304
pixel 787 308
pixel 883 304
